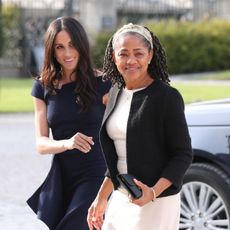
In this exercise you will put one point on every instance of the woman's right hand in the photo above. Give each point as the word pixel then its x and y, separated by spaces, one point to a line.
pixel 79 141
pixel 96 213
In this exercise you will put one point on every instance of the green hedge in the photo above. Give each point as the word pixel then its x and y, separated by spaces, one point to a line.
pixel 1 36
pixel 99 49
pixel 10 31
pixel 190 47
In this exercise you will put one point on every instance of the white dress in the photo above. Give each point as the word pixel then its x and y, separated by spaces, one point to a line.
pixel 163 213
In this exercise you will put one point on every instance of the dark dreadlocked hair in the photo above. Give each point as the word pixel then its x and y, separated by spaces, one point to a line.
pixel 157 68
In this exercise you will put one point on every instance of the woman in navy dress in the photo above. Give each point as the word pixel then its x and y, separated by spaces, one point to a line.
pixel 68 101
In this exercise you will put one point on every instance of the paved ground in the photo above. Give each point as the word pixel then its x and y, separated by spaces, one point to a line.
pixel 21 172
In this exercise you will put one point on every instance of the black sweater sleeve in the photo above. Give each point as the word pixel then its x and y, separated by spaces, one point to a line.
pixel 177 138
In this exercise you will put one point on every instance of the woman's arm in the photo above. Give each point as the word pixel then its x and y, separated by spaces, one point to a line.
pixel 45 144
pixel 161 185
pixel 105 99
pixel 97 209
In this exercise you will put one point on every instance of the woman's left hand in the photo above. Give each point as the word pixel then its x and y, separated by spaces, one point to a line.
pixel 95 217
pixel 147 194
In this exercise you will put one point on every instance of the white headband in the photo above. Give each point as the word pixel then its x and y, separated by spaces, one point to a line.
pixel 133 28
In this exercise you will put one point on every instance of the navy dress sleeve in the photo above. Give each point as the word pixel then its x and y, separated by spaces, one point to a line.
pixel 37 90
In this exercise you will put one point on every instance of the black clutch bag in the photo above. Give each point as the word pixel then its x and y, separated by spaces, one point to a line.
pixel 126 181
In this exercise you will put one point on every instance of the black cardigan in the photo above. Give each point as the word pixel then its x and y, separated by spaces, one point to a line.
pixel 158 141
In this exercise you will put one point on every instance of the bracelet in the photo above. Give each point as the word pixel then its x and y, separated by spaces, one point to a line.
pixel 154 193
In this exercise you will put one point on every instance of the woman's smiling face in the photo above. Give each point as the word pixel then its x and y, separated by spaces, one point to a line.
pixel 65 53
pixel 132 56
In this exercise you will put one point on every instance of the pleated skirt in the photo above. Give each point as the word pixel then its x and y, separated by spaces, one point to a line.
pixel 162 214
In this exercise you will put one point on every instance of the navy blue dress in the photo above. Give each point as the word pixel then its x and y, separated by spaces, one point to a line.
pixel 62 201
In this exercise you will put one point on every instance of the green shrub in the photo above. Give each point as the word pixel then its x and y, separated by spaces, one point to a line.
pixel 195 47
pixel 98 50
pixel 1 31
pixel 11 18
pixel 1 38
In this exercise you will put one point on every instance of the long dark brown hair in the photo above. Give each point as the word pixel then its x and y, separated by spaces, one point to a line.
pixel 157 68
pixel 51 72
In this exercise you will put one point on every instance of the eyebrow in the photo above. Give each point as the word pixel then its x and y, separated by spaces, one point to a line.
pixel 138 49
pixel 70 42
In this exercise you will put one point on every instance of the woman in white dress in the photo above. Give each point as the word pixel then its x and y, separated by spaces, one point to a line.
pixel 144 133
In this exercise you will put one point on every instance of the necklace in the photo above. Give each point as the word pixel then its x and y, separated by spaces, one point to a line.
pixel 127 94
